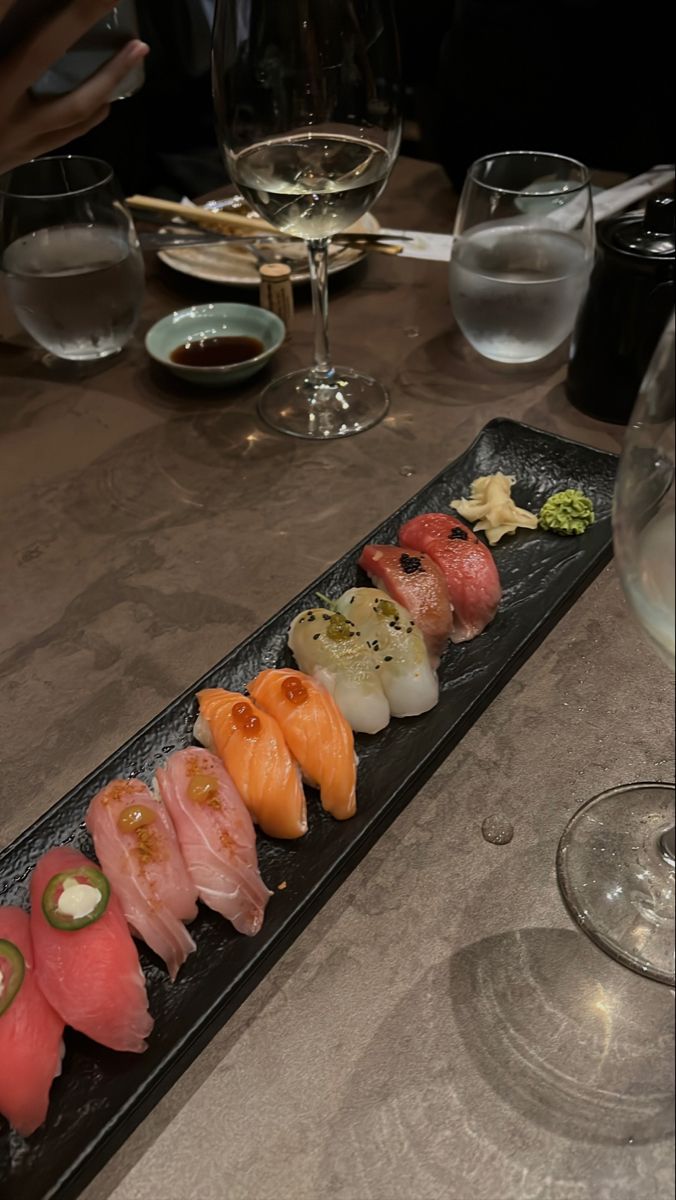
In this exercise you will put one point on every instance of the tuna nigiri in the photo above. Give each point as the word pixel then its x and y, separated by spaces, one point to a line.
pixel 467 565
pixel 85 959
pixel 217 836
pixel 316 733
pixel 329 647
pixel 137 847
pixel 415 582
pixel 31 1033
pixel 410 684
pixel 252 746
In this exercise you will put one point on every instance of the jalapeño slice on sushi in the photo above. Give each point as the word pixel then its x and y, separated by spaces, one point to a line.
pixel 75 899
pixel 12 970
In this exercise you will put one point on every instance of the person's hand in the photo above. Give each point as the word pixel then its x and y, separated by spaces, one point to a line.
pixel 30 126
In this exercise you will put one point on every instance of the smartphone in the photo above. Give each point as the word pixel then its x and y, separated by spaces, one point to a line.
pixel 93 50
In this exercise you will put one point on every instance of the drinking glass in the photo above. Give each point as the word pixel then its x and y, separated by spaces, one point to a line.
pixel 71 258
pixel 308 106
pixel 616 858
pixel 522 253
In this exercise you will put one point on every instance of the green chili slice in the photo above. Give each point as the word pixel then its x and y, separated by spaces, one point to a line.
pixel 64 915
pixel 12 971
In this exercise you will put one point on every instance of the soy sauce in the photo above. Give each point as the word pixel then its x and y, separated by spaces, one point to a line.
pixel 217 351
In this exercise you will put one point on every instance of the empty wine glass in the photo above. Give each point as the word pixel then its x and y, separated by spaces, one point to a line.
pixel 616 857
pixel 522 253
pixel 308 105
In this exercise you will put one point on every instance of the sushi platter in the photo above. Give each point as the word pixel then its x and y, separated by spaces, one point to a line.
pixel 380 699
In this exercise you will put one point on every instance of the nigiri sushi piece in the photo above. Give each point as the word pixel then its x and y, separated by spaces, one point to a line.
pixel 257 758
pixel 86 962
pixel 329 647
pixel 410 684
pixel 467 565
pixel 31 1033
pixel 137 847
pixel 217 836
pixel 414 581
pixel 316 733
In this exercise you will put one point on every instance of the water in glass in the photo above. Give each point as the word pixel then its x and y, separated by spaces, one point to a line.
pixel 522 254
pixel 516 290
pixel 76 289
pixel 70 255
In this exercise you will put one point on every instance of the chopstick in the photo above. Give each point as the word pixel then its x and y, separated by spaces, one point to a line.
pixel 227 223
pixel 223 221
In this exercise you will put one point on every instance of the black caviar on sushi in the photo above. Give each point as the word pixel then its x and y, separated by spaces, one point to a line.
pixel 410 565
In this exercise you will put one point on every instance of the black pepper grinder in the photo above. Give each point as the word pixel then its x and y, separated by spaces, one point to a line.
pixel 626 308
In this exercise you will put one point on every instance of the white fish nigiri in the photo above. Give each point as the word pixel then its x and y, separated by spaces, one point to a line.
pixel 410 684
pixel 331 648
pixel 216 836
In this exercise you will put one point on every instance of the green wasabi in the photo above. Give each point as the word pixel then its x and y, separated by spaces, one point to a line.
pixel 568 513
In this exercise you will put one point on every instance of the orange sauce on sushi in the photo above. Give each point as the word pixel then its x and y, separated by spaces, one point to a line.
pixel 135 817
pixel 203 789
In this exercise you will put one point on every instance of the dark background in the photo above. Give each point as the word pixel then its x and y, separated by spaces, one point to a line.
pixel 585 78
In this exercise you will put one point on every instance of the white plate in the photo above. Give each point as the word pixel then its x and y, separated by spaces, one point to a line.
pixel 235 266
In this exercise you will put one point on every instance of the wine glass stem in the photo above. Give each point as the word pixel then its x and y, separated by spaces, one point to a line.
pixel 318 251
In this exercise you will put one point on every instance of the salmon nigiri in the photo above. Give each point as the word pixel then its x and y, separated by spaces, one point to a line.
pixel 217 836
pixel 31 1033
pixel 85 959
pixel 252 746
pixel 137 847
pixel 316 733
pixel 467 565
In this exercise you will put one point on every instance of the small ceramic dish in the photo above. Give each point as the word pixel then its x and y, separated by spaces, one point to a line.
pixel 204 321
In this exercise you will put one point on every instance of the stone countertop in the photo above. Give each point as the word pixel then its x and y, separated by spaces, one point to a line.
pixel 440 1030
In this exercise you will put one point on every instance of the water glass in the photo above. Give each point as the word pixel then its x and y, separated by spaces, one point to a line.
pixel 522 253
pixel 71 257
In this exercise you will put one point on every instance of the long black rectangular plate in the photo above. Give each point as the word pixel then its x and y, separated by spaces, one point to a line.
pixel 101 1096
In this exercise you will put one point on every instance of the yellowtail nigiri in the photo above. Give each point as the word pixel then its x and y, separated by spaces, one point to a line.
pixel 216 835
pixel 137 847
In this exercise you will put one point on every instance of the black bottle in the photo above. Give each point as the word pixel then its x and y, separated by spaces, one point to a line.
pixel 624 313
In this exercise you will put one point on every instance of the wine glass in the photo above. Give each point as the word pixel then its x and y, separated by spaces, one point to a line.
pixel 522 253
pixel 616 857
pixel 70 256
pixel 308 106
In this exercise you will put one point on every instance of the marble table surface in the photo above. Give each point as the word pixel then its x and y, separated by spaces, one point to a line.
pixel 441 1031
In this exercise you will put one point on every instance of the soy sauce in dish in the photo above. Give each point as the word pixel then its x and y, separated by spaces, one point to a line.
pixel 217 351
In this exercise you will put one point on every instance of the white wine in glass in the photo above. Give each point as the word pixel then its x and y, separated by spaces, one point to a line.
pixel 616 857
pixel 308 106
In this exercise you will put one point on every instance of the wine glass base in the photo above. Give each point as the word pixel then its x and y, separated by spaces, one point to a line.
pixel 616 879
pixel 340 405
